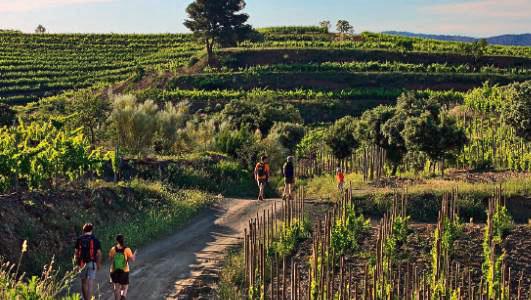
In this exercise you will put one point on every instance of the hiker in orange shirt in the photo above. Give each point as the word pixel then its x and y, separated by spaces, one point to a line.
pixel 120 255
pixel 261 174
pixel 340 178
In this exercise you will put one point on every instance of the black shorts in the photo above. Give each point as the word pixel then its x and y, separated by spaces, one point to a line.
pixel 289 180
pixel 120 277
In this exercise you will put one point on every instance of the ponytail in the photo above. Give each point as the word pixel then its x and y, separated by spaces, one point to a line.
pixel 121 240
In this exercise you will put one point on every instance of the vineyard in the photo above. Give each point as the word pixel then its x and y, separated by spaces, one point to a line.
pixel 345 256
pixel 36 66
pixel 433 138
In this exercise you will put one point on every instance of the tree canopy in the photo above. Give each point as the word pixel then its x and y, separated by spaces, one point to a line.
pixel 343 27
pixel 517 111
pixel 217 22
pixel 340 137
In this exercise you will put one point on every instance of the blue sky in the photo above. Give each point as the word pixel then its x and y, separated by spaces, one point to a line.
pixel 466 17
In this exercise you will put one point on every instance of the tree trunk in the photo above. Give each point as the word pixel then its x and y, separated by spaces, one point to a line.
pixel 92 136
pixel 395 169
pixel 210 52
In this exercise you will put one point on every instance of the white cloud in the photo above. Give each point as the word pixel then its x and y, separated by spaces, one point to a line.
pixel 26 5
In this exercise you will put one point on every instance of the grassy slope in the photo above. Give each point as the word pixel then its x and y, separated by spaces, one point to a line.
pixel 51 221
pixel 424 195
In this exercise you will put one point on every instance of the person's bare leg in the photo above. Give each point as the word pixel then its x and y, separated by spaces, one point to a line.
pixel 290 188
pixel 124 290
pixel 84 289
pixel 117 291
pixel 90 287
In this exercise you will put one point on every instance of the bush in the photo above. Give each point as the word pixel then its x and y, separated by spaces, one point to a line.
pixel 135 126
pixel 49 286
pixel 287 134
pixel 7 115
pixel 232 142
pixel 290 236
pixel 346 236
pixel 312 143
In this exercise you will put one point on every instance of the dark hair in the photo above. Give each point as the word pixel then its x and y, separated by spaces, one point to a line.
pixel 88 227
pixel 121 240
pixel 264 157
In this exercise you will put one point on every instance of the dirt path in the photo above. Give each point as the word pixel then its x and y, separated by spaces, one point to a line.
pixel 166 267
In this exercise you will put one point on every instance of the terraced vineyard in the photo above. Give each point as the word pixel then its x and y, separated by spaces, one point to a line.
pixel 35 66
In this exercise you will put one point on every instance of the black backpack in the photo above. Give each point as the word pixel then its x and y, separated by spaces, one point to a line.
pixel 86 249
pixel 260 171
pixel 288 170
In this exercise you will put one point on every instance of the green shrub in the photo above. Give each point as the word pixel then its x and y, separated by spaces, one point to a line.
pixel 398 236
pixel 49 286
pixel 290 237
pixel 346 235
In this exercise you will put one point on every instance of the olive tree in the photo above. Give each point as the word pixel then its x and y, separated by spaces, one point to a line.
pixel 340 137
pixel 370 130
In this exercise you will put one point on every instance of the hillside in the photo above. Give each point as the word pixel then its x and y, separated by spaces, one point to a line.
pixel 523 39
pixel 137 133
pixel 35 66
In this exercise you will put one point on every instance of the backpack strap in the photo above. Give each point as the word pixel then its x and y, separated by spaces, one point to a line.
pixel 91 249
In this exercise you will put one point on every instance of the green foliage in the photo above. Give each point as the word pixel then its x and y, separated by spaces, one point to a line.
pixel 452 231
pixel 380 41
pixel 492 239
pixel 312 143
pixel 287 134
pixel 49 64
pixel 260 114
pixel 232 142
pixel 174 208
pixel 343 26
pixel 370 130
pixel 377 66
pixel 89 110
pixel 7 115
pixel 293 29
pixel 38 154
pixel 502 223
pixel 232 276
pixel 135 126
pixel 49 286
pixel 398 236
pixel 517 109
pixel 223 176
pixel 346 234
pixel 290 236
pixel 438 138
pixel 217 22
pixel 340 137
pixel 495 124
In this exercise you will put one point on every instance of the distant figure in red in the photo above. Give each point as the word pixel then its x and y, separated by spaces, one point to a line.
pixel 340 178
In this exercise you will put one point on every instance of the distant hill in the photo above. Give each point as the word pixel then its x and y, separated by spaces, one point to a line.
pixel 506 39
